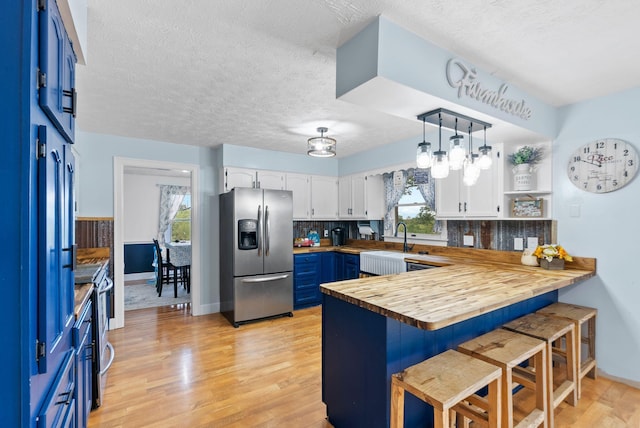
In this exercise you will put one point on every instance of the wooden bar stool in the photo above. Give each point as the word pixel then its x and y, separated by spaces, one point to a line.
pixel 448 382
pixel 551 329
pixel 507 349
pixel 580 315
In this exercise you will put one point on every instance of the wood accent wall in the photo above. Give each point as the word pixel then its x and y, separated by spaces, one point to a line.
pixel 94 235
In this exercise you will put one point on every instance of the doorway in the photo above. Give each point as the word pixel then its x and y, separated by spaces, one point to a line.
pixel 120 166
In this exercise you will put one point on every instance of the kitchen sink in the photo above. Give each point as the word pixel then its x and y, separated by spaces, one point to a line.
pixel 382 262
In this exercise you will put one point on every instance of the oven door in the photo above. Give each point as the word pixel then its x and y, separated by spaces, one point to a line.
pixel 104 350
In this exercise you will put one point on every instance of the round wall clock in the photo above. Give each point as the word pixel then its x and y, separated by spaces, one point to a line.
pixel 603 165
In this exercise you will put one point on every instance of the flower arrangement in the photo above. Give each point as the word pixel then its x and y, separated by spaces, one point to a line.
pixel 526 154
pixel 552 251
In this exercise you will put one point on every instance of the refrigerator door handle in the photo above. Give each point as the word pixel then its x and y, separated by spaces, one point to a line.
pixel 258 235
pixel 267 230
pixel 266 279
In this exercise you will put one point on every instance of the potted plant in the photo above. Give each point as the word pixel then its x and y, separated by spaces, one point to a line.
pixel 524 161
pixel 552 256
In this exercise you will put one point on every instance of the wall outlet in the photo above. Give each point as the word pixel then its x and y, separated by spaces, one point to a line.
pixel 326 233
pixel 532 242
pixel 467 240
pixel 518 244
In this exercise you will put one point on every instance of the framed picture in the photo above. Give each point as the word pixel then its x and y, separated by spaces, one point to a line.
pixel 527 207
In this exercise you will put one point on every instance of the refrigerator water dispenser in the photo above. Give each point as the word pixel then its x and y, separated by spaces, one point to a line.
pixel 247 234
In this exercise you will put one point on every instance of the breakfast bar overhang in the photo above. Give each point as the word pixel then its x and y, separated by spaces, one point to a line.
pixel 374 327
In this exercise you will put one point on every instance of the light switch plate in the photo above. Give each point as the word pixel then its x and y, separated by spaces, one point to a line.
pixel 518 244
pixel 467 240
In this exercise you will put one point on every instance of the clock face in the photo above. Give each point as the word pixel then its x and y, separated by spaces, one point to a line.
pixel 603 165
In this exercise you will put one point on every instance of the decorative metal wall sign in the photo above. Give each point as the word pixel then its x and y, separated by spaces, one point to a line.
pixel 463 78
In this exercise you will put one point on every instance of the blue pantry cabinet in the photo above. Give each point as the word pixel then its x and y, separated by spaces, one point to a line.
pixel 39 367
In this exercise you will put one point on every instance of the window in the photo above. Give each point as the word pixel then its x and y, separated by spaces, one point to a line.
pixel 180 226
pixel 413 211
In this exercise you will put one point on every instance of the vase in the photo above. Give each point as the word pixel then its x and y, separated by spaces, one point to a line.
pixel 528 259
pixel 554 264
pixel 523 177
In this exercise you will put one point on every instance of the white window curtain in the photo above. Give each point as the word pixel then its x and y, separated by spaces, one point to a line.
pixel 393 193
pixel 170 199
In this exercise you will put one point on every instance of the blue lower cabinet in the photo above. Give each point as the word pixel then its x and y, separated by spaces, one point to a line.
pixel 59 409
pixel 311 270
pixel 328 267
pixel 347 266
pixel 306 280
pixel 351 266
pixel 84 346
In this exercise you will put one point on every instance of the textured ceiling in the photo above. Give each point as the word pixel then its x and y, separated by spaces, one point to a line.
pixel 261 73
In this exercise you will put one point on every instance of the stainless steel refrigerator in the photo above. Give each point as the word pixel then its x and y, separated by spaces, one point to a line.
pixel 256 256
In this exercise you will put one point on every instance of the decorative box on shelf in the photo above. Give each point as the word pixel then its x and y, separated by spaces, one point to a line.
pixel 554 264
pixel 527 207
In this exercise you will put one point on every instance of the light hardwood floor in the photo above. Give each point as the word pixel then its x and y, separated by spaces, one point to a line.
pixel 175 370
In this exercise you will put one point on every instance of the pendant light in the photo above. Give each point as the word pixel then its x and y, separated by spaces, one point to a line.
pixel 423 154
pixel 485 153
pixel 440 166
pixel 321 147
pixel 456 150
pixel 471 171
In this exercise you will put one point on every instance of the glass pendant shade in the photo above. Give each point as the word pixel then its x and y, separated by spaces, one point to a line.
pixel 457 152
pixel 423 155
pixel 471 171
pixel 321 147
pixel 485 161
pixel 440 166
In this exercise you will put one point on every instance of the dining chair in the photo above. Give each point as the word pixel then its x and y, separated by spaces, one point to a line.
pixel 165 271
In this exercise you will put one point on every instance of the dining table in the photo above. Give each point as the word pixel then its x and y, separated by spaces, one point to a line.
pixel 179 253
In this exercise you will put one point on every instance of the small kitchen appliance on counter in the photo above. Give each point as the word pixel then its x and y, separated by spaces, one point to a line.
pixel 338 236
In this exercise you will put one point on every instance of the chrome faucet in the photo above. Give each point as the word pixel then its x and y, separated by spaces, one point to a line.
pixel 405 247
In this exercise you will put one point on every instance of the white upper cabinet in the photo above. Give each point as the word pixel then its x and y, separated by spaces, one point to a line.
pixel 454 199
pixel 374 190
pixel 324 197
pixel 257 179
pixel 352 197
pixel 300 186
pixel 274 180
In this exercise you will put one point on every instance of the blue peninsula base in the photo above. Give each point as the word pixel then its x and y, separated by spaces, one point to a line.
pixel 362 349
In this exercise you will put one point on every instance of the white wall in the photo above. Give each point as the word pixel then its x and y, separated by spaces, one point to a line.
pixel 606 228
pixel 142 204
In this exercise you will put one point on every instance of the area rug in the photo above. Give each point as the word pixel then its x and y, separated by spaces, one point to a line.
pixel 138 296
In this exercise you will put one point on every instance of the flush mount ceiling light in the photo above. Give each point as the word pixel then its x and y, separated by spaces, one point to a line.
pixel 321 147
pixel 440 162
pixel 423 155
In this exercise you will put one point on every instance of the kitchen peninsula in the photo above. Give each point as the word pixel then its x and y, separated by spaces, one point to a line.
pixel 374 327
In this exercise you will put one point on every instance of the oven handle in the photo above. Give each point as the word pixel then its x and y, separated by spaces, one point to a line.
pixel 106 288
pixel 112 354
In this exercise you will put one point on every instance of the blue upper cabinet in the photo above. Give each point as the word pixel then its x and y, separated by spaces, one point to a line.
pixel 55 253
pixel 57 64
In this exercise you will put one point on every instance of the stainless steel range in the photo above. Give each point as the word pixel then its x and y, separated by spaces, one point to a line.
pixel 104 359
pixel 101 299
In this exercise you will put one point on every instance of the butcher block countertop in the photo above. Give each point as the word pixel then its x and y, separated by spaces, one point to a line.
pixel 468 283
